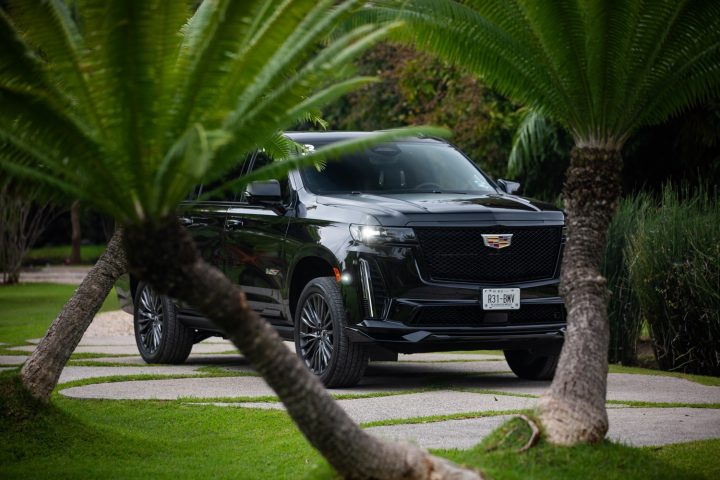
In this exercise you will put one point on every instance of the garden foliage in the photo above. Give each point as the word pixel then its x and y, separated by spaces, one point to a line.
pixel 674 269
pixel 623 308
pixel 418 89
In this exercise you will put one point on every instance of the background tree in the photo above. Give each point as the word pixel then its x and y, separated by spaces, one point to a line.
pixel 602 70
pixel 416 88
pixel 130 104
pixel 25 210
pixel 41 372
pixel 76 234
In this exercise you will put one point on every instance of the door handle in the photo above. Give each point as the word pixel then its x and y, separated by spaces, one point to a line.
pixel 233 224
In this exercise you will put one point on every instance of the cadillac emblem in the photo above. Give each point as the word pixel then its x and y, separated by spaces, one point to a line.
pixel 498 241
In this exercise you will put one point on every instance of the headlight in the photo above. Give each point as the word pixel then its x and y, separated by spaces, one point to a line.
pixel 374 234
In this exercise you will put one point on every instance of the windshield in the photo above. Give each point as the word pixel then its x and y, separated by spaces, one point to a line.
pixel 399 168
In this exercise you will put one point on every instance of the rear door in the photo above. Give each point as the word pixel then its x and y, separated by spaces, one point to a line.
pixel 204 215
pixel 253 248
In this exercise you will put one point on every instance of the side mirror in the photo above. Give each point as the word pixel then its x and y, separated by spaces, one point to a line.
pixel 508 186
pixel 265 192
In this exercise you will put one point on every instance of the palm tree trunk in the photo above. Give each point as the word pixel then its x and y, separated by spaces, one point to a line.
pixel 573 410
pixel 165 256
pixel 41 372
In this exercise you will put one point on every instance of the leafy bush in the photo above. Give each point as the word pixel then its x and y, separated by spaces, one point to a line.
pixel 674 266
pixel 623 309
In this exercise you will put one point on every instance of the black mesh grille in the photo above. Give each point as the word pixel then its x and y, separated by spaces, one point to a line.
pixel 471 315
pixel 459 255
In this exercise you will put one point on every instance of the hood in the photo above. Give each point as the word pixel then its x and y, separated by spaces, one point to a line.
pixel 401 209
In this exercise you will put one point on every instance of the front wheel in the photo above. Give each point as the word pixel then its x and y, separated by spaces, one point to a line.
pixel 320 338
pixel 159 335
pixel 532 366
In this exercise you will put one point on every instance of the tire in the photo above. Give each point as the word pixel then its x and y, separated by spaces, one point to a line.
pixel 530 366
pixel 320 339
pixel 159 336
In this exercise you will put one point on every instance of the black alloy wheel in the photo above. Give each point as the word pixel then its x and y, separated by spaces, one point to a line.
pixel 160 337
pixel 320 339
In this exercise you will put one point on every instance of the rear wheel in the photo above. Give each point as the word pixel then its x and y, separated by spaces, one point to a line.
pixel 532 366
pixel 160 337
pixel 320 339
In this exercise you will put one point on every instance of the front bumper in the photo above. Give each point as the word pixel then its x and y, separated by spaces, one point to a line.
pixel 411 313
pixel 491 330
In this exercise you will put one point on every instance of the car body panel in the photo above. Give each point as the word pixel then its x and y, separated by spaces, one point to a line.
pixel 260 248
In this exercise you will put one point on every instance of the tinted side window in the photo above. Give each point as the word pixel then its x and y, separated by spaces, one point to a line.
pixel 210 192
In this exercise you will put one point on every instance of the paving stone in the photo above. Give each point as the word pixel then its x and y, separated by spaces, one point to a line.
pixel 128 360
pixel 229 360
pixel 129 340
pixel 633 426
pixel 72 275
pixel 407 376
pixel 12 359
pixel 654 388
pixel 446 357
pixel 621 386
pixel 660 426
pixel 99 340
pixel 23 348
pixel 132 349
pixel 448 368
pixel 461 434
pixel 171 389
pixel 71 373
pixel 426 404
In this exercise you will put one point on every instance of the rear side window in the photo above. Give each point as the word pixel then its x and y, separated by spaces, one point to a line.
pixel 211 192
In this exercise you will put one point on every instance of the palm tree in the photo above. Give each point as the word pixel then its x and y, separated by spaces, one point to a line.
pixel 126 105
pixel 602 69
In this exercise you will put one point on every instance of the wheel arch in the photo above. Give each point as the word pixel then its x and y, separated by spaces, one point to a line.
pixel 313 264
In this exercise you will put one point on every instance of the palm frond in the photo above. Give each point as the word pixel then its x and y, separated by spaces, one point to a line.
pixel 153 102
pixel 529 142
pixel 688 68
pixel 49 27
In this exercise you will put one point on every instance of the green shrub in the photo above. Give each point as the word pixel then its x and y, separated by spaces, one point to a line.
pixel 623 309
pixel 675 272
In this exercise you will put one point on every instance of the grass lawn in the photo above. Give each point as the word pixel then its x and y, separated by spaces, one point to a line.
pixel 26 310
pixel 154 439
pixel 56 255
pixel 75 438
pixel 499 459
pixel 159 440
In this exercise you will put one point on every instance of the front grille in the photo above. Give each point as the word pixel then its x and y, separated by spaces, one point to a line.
pixel 459 255
pixel 474 315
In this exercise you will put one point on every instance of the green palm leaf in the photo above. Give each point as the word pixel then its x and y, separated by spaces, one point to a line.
pixel 601 68
pixel 129 104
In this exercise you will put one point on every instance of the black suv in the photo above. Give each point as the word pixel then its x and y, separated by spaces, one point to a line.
pixel 405 247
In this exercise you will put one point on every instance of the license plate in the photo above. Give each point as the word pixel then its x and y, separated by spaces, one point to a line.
pixel 501 298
